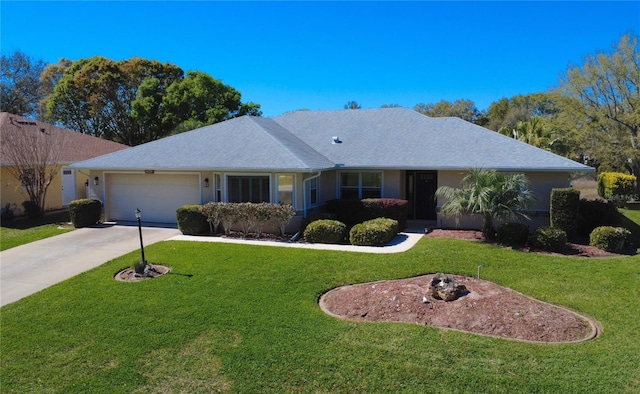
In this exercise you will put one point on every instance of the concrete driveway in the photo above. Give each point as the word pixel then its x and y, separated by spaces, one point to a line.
pixel 27 269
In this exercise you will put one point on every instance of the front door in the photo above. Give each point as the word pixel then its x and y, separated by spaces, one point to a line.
pixel 420 192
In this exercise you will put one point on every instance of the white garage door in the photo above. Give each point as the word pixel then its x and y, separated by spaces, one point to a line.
pixel 158 196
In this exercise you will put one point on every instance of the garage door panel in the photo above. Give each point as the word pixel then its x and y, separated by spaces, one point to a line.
pixel 158 196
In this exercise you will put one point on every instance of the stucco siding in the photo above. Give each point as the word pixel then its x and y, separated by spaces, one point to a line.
pixel 540 183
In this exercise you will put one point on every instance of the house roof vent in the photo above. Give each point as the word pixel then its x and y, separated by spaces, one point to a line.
pixel 336 140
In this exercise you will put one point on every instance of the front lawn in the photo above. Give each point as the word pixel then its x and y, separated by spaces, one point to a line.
pixel 23 230
pixel 239 318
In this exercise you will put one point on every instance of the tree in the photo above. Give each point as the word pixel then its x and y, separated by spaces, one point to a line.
pixel 20 92
pixel 352 105
pixel 540 133
pixel 604 105
pixel 49 78
pixel 137 100
pixel 507 112
pixel 33 156
pixel 463 109
pixel 97 96
pixel 201 100
pixel 489 194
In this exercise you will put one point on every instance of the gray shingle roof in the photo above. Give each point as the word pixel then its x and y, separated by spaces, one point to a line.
pixel 404 139
pixel 393 138
pixel 246 143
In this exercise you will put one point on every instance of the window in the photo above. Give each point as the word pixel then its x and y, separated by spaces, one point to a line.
pixel 371 185
pixel 218 187
pixel 313 191
pixel 358 185
pixel 248 189
pixel 285 189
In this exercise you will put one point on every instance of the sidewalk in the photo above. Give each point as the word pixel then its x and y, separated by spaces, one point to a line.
pixel 401 243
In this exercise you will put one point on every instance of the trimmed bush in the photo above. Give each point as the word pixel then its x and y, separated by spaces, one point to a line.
pixel 564 210
pixel 549 239
pixel 513 234
pixel 375 232
pixel 349 212
pixel 85 212
pixel 616 187
pixel 611 239
pixel 191 221
pixel 325 231
pixel 352 212
pixel 31 209
pixel 280 216
pixel 392 208
pixel 312 218
pixel 596 213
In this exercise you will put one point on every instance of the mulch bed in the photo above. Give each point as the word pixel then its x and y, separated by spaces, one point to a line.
pixel 579 249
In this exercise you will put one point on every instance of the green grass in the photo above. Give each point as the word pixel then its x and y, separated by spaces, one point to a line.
pixel 22 231
pixel 240 318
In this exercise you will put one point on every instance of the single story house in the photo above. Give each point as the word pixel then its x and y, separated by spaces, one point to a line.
pixel 61 146
pixel 307 158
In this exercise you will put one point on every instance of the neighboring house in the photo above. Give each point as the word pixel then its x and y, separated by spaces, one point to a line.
pixel 69 146
pixel 309 157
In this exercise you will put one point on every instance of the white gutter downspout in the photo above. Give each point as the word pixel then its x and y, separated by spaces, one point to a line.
pixel 304 192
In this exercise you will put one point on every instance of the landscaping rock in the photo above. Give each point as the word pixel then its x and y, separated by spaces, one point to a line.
pixel 445 288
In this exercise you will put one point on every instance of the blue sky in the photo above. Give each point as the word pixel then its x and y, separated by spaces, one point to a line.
pixel 320 55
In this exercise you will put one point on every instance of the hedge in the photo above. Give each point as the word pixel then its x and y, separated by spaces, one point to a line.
pixel 564 210
pixel 513 234
pixel 352 212
pixel 85 212
pixel 611 239
pixel 250 217
pixel 596 213
pixel 549 239
pixel 190 220
pixel 616 187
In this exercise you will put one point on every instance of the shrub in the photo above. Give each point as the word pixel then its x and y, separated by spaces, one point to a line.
pixel 325 231
pixel 31 209
pixel 313 218
pixel 549 239
pixel 228 215
pixel 191 221
pixel 611 239
pixel 263 213
pixel 392 208
pixel 616 187
pixel 349 212
pixel 375 232
pixel 596 213
pixel 513 234
pixel 85 212
pixel 212 214
pixel 564 209
pixel 280 216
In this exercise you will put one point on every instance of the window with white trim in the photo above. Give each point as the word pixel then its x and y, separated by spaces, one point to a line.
pixel 359 185
pixel 285 188
pixel 313 191
pixel 253 188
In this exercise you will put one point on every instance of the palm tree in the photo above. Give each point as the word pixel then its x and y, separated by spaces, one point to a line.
pixel 490 194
